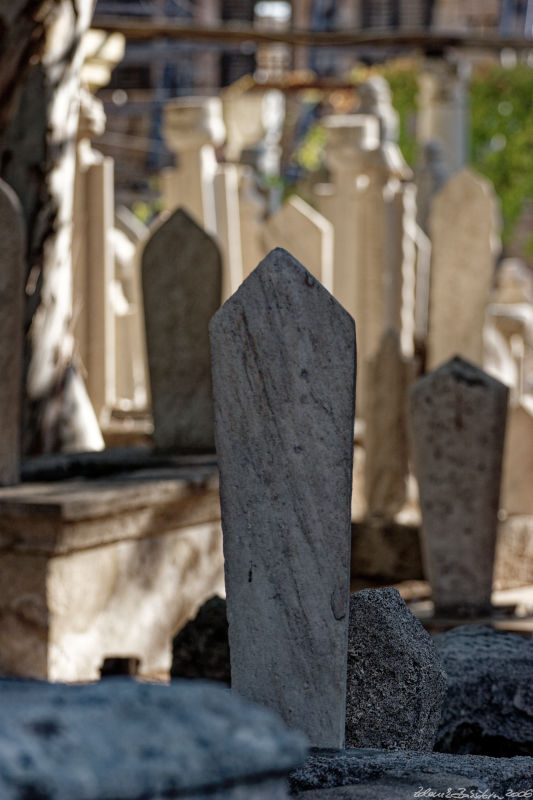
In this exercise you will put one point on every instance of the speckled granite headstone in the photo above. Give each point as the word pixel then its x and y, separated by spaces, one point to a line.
pixel 11 331
pixel 396 684
pixel 283 353
pixel 457 422
pixel 181 277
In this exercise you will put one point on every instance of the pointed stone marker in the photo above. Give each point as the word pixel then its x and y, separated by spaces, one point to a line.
pixel 464 231
pixel 283 355
pixel 181 278
pixel 457 422
pixel 301 230
pixel 11 332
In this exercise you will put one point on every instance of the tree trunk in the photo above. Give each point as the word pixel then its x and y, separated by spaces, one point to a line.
pixel 37 148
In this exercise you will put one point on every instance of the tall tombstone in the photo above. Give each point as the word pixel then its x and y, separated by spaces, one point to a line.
pixel 517 497
pixel 464 231
pixel 301 230
pixel 431 174
pixel 457 422
pixel 192 128
pixel 386 457
pixel 12 236
pixel 181 279
pixel 226 189
pixel 283 356
pixel 252 212
pixel 374 262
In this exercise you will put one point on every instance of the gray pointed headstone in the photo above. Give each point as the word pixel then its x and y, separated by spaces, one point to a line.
pixel 181 278
pixel 457 421
pixel 283 355
pixel 11 332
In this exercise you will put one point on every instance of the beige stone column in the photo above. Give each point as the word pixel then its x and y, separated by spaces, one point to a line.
pixel 93 261
pixel 374 258
pixel 252 212
pixel 348 137
pixel 226 188
pixel 192 127
pixel 443 109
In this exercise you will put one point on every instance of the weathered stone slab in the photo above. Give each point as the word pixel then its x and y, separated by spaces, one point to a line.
pixel 181 277
pixel 11 331
pixel 395 684
pixel 489 705
pixel 464 232
pixel 362 766
pixel 301 230
pixel 283 354
pixel 457 421
pixel 125 740
pixel 114 567
pixel 386 456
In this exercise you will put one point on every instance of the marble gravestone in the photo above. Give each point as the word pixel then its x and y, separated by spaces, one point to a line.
pixel 283 360
pixel 11 332
pixel 464 232
pixel 181 278
pixel 301 230
pixel 457 418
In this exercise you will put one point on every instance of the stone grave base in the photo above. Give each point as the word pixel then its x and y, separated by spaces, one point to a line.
pixel 114 566
pixel 512 611
pixel 388 551
pixel 397 775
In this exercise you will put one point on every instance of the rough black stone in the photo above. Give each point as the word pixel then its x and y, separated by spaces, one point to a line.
pixel 395 684
pixel 489 703
pixel 201 648
pixel 343 768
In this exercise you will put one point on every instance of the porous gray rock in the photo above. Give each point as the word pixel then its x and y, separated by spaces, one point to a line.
pixel 489 704
pixel 395 684
pixel 12 238
pixel 283 353
pixel 128 741
pixel 404 788
pixel 181 279
pixel 201 648
pixel 457 423
pixel 328 769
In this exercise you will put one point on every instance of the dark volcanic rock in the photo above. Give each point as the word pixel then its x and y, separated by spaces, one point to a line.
pixel 399 788
pixel 201 649
pixel 346 768
pixel 395 684
pixel 124 740
pixel 489 704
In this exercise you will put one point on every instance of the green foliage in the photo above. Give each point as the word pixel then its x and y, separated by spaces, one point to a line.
pixel 501 130
pixel 502 136
pixel 309 155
